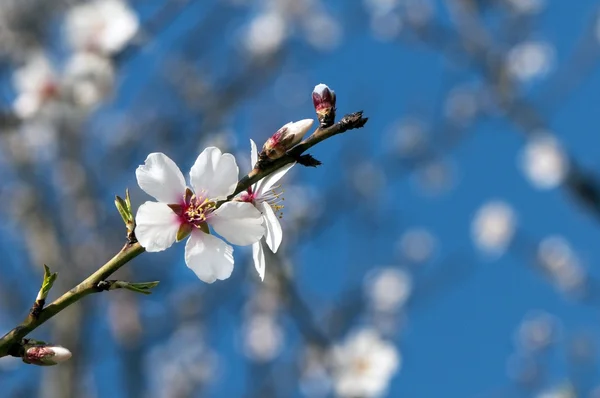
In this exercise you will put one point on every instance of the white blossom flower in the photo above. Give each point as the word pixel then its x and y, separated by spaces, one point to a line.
pixel 364 365
pixel 565 390
pixel 544 162
pixel 406 138
pixel 266 34
pixel 558 260
pixel 180 212
pixel 89 77
pixel 530 60
pixel 103 26
pixel 416 245
pixel 267 200
pixel 527 6
pixel 263 338
pixel 537 331
pixel 323 31
pixel 36 83
pixel 388 288
pixel 493 227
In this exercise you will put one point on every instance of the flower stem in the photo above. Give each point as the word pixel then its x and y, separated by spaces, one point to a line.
pixel 10 343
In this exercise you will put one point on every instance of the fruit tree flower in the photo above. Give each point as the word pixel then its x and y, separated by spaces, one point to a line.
pixel 103 26
pixel 267 200
pixel 37 84
pixel 89 77
pixel 364 365
pixel 181 211
pixel 544 162
pixel 493 227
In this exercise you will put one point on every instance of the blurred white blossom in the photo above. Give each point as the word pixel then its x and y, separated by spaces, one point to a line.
pixel 565 390
pixel 36 83
pixel 544 162
pixel 559 261
pixel 364 365
pixel 493 227
pixel 385 19
pixel 436 176
pixel 368 178
pixel 265 34
pixel 388 288
pixel 386 27
pixel 537 331
pixel 526 6
pixel 418 12
pixel 416 245
pixel 38 137
pixel 524 369
pixel 263 338
pixel 182 363
pixel 381 6
pixel 89 78
pixel 323 31
pixel 104 26
pixel 406 137
pixel 530 60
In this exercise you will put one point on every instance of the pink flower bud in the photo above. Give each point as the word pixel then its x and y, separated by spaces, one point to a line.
pixel 324 101
pixel 43 355
pixel 285 139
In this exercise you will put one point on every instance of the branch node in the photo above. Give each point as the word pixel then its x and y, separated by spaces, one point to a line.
pixel 103 286
pixel 353 121
pixel 308 161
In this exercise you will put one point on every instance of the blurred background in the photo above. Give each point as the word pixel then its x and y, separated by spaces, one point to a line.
pixel 447 249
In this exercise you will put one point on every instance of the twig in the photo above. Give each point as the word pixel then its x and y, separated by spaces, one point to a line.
pixel 12 342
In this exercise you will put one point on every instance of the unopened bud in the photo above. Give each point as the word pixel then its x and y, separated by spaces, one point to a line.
pixel 44 355
pixel 324 101
pixel 285 139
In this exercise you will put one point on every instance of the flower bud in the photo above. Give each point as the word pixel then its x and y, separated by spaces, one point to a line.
pixel 324 101
pixel 44 355
pixel 285 139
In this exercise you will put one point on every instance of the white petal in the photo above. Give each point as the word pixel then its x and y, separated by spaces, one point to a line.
pixel 209 257
pixel 259 259
pixel 160 177
pixel 156 226
pixel 253 153
pixel 267 183
pixel 238 222
pixel 214 174
pixel 274 235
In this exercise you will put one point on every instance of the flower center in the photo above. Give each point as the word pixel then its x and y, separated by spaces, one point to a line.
pixel 273 197
pixel 248 196
pixel 195 210
pixel 361 365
